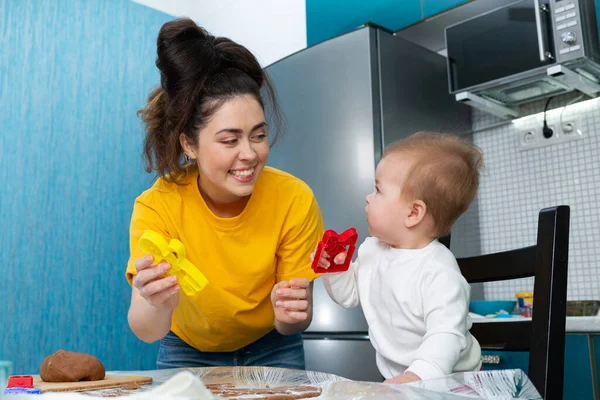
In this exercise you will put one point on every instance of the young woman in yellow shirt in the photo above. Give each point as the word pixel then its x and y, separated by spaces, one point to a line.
pixel 247 227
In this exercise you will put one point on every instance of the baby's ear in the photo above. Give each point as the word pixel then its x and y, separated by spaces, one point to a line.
pixel 416 213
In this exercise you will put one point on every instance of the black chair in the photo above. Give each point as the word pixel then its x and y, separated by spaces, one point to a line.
pixel 544 335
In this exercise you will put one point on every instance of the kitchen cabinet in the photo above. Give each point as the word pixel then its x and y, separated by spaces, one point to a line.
pixel 578 381
pixel 508 360
pixel 596 359
pixel 326 19
pixel 432 7
pixel 578 374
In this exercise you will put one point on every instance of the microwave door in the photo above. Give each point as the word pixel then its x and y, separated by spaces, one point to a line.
pixel 503 42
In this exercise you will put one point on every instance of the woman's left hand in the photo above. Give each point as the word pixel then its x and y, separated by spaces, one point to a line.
pixel 291 301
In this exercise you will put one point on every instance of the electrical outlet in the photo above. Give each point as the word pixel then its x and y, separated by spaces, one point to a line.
pixel 572 128
pixel 529 137
pixel 530 132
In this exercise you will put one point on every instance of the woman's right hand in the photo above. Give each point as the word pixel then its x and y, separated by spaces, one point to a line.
pixel 157 291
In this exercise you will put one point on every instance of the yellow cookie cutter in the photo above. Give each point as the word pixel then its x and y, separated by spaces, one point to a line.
pixel 190 279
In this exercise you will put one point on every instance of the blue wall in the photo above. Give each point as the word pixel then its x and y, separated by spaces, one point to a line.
pixel 72 75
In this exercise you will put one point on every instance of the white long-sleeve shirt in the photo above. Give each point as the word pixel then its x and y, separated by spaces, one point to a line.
pixel 416 304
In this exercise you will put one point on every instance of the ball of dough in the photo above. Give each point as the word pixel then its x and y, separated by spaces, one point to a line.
pixel 68 366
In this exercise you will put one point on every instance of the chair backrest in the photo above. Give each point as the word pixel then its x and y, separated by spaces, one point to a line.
pixel 544 335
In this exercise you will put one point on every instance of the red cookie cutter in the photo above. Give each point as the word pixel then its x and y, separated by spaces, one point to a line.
pixel 20 381
pixel 335 244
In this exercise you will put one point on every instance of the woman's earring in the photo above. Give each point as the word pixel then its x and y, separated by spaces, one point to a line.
pixel 188 159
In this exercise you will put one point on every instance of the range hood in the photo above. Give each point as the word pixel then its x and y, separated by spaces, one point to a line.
pixel 502 98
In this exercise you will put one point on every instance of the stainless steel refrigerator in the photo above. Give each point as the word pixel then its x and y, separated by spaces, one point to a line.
pixel 344 100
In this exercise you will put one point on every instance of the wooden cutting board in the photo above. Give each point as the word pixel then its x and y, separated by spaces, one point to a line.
pixel 110 381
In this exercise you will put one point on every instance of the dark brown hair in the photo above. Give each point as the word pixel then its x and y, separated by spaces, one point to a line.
pixel 198 73
pixel 444 174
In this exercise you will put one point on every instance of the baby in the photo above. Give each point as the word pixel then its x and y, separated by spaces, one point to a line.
pixel 413 295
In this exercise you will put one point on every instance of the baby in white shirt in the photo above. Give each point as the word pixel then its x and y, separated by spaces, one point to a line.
pixel 413 295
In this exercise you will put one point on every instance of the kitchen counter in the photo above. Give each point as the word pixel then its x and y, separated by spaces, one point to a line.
pixel 574 324
pixel 189 383
pixel 583 324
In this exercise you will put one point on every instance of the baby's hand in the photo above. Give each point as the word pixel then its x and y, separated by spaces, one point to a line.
pixel 324 260
pixel 404 378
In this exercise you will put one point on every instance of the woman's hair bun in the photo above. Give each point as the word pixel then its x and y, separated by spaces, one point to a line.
pixel 186 53
pixel 233 56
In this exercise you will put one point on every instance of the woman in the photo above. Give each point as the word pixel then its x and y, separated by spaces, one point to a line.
pixel 247 227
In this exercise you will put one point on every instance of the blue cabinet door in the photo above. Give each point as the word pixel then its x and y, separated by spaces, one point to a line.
pixel 508 360
pixel 326 19
pixel 432 7
pixel 578 373
pixel 596 340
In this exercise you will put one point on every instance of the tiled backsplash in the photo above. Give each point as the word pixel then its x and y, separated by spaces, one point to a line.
pixel 516 184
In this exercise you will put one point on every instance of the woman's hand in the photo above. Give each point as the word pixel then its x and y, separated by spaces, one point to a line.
pixel 292 303
pixel 153 299
pixel 157 291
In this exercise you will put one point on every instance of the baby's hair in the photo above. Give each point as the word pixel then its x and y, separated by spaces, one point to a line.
pixel 444 175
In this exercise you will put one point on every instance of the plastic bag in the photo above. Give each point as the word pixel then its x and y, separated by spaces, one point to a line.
pixel 191 383
pixel 500 384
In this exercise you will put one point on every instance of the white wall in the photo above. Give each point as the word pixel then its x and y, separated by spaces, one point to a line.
pixel 271 29
pixel 516 185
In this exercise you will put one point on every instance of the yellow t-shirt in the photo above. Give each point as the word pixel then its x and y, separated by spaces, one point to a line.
pixel 242 257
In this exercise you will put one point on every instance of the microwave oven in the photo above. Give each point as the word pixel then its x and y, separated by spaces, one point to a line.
pixel 523 52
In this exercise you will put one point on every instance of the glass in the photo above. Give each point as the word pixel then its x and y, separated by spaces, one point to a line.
pixel 5 372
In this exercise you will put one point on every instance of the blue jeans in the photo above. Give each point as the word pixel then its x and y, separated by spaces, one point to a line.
pixel 272 350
